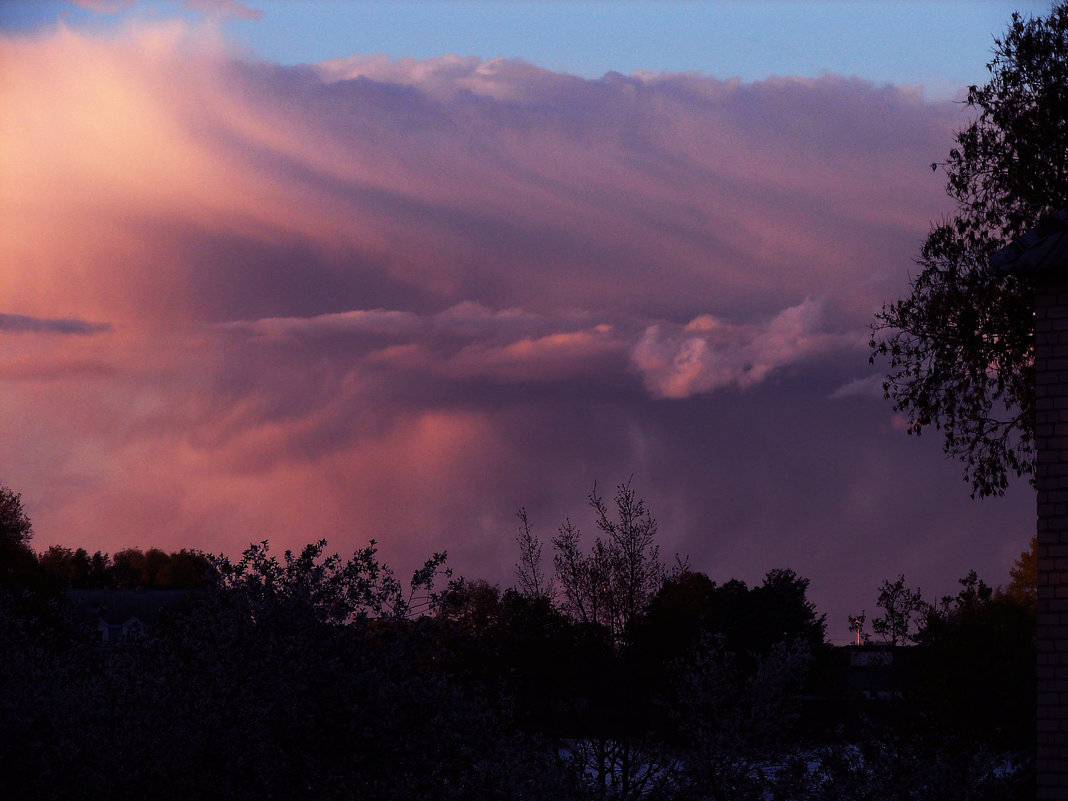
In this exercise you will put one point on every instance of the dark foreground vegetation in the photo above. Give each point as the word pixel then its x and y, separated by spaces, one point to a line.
pixel 309 676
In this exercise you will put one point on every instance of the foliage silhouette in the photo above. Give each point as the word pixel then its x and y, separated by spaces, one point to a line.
pixel 308 676
pixel 904 612
pixel 612 584
pixel 959 347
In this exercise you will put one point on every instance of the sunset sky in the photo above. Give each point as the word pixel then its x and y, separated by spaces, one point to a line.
pixel 293 270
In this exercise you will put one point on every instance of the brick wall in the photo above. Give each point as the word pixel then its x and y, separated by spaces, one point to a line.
pixel 1051 430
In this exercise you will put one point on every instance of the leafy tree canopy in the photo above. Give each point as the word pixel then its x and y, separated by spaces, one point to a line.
pixel 1023 576
pixel 960 346
pixel 15 527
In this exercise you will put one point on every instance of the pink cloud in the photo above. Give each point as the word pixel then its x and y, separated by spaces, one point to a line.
pixel 708 354
pixel 568 194
pixel 447 76
pixel 225 8
pixel 104 6
pixel 401 298
pixel 58 370
pixel 550 357
pixel 358 321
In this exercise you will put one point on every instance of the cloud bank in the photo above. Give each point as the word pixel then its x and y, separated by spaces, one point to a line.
pixel 399 299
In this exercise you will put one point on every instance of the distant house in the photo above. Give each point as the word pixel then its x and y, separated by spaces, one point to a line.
pixel 876 672
pixel 123 615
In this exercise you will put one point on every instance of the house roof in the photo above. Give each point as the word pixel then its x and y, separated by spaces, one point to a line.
pixel 118 606
pixel 1041 250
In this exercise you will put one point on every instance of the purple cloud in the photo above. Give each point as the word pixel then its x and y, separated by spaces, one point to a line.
pixel 21 324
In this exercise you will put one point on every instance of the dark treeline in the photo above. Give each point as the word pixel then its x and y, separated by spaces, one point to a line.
pixel 601 674
pixel 126 569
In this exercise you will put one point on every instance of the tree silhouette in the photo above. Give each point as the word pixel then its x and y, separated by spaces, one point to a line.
pixel 960 346
pixel 612 584
pixel 532 580
pixel 16 531
pixel 904 611
pixel 19 572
